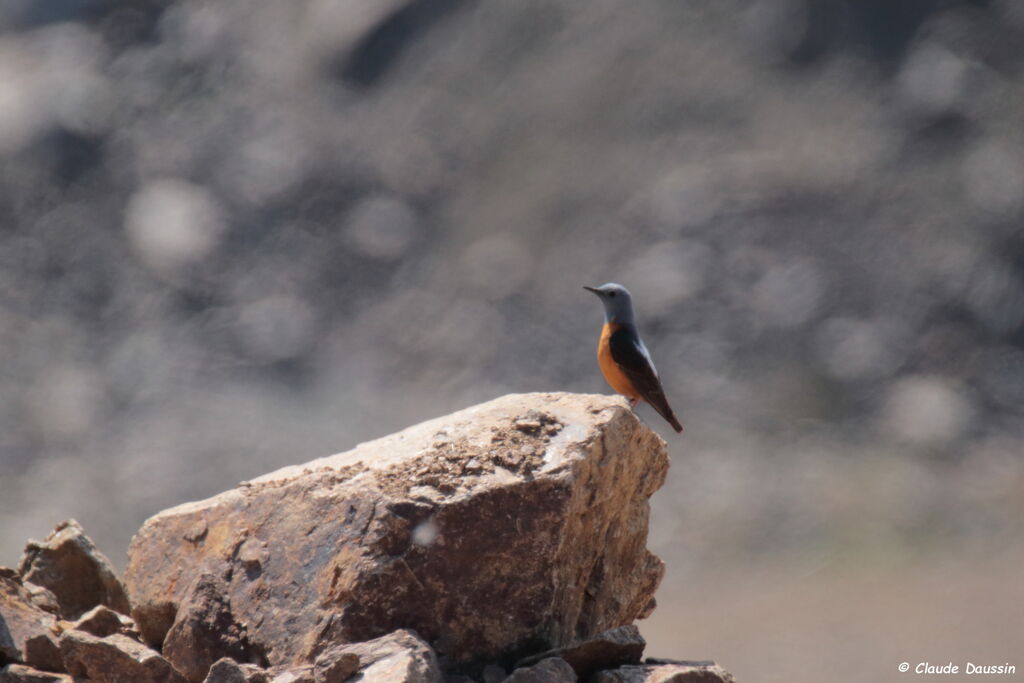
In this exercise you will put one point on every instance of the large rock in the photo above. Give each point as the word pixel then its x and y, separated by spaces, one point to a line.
pixel 26 630
pixel 69 565
pixel 511 527
pixel 666 671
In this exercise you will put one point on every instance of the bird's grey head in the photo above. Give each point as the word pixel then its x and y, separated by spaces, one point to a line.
pixel 618 304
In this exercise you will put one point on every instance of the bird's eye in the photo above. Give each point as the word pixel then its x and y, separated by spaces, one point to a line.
pixel 611 293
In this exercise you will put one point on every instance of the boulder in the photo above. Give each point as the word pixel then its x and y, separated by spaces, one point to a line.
pixel 508 528
pixel 205 630
pixel 227 670
pixel 549 670
pixel 665 671
pixel 622 645
pixel 27 632
pixel 19 673
pixel 68 564
pixel 114 659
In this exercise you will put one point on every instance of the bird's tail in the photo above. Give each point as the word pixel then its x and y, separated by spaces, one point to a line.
pixel 660 404
pixel 674 421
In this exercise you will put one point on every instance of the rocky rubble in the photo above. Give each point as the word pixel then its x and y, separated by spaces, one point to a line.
pixel 505 542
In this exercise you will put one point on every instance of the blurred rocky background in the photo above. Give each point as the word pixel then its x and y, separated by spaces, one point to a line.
pixel 236 234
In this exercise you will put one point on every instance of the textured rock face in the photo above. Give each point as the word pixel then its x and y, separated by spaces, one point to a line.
pixel 204 631
pixel 26 630
pixel 665 671
pixel 549 670
pixel 69 565
pixel 19 673
pixel 515 526
pixel 622 645
pixel 114 659
pixel 227 670
pixel 398 657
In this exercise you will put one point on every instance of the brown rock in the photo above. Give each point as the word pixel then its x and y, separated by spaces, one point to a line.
pixel 101 621
pixel 27 633
pixel 666 671
pixel 205 630
pixel 19 673
pixel 513 526
pixel 114 659
pixel 399 657
pixel 335 665
pixel 622 645
pixel 42 598
pixel 80 576
pixel 227 670
pixel 550 670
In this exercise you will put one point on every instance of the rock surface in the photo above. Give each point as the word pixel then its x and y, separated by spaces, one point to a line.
pixel 666 671
pixel 622 645
pixel 511 527
pixel 205 631
pixel 69 565
pixel 19 673
pixel 548 670
pixel 27 632
pixel 336 665
pixel 101 621
pixel 402 657
pixel 227 670
pixel 114 659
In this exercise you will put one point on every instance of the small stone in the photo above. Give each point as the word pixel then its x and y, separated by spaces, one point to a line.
pixel 665 671
pixel 19 673
pixel 197 531
pixel 253 553
pixel 550 670
pixel 101 621
pixel 335 665
pixel 227 670
pixel 527 425
pixel 114 659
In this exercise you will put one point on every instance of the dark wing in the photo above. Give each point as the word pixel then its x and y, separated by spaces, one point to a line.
pixel 631 356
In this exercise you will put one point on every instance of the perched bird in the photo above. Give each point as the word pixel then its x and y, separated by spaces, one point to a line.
pixel 622 356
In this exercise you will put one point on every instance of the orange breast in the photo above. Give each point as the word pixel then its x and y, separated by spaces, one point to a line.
pixel 609 368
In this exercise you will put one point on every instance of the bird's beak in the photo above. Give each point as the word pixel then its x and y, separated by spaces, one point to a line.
pixel 595 290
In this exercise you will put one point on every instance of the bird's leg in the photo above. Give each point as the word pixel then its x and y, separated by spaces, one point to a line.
pixel 633 402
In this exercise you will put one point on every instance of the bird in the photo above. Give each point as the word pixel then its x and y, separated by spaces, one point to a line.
pixel 622 356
